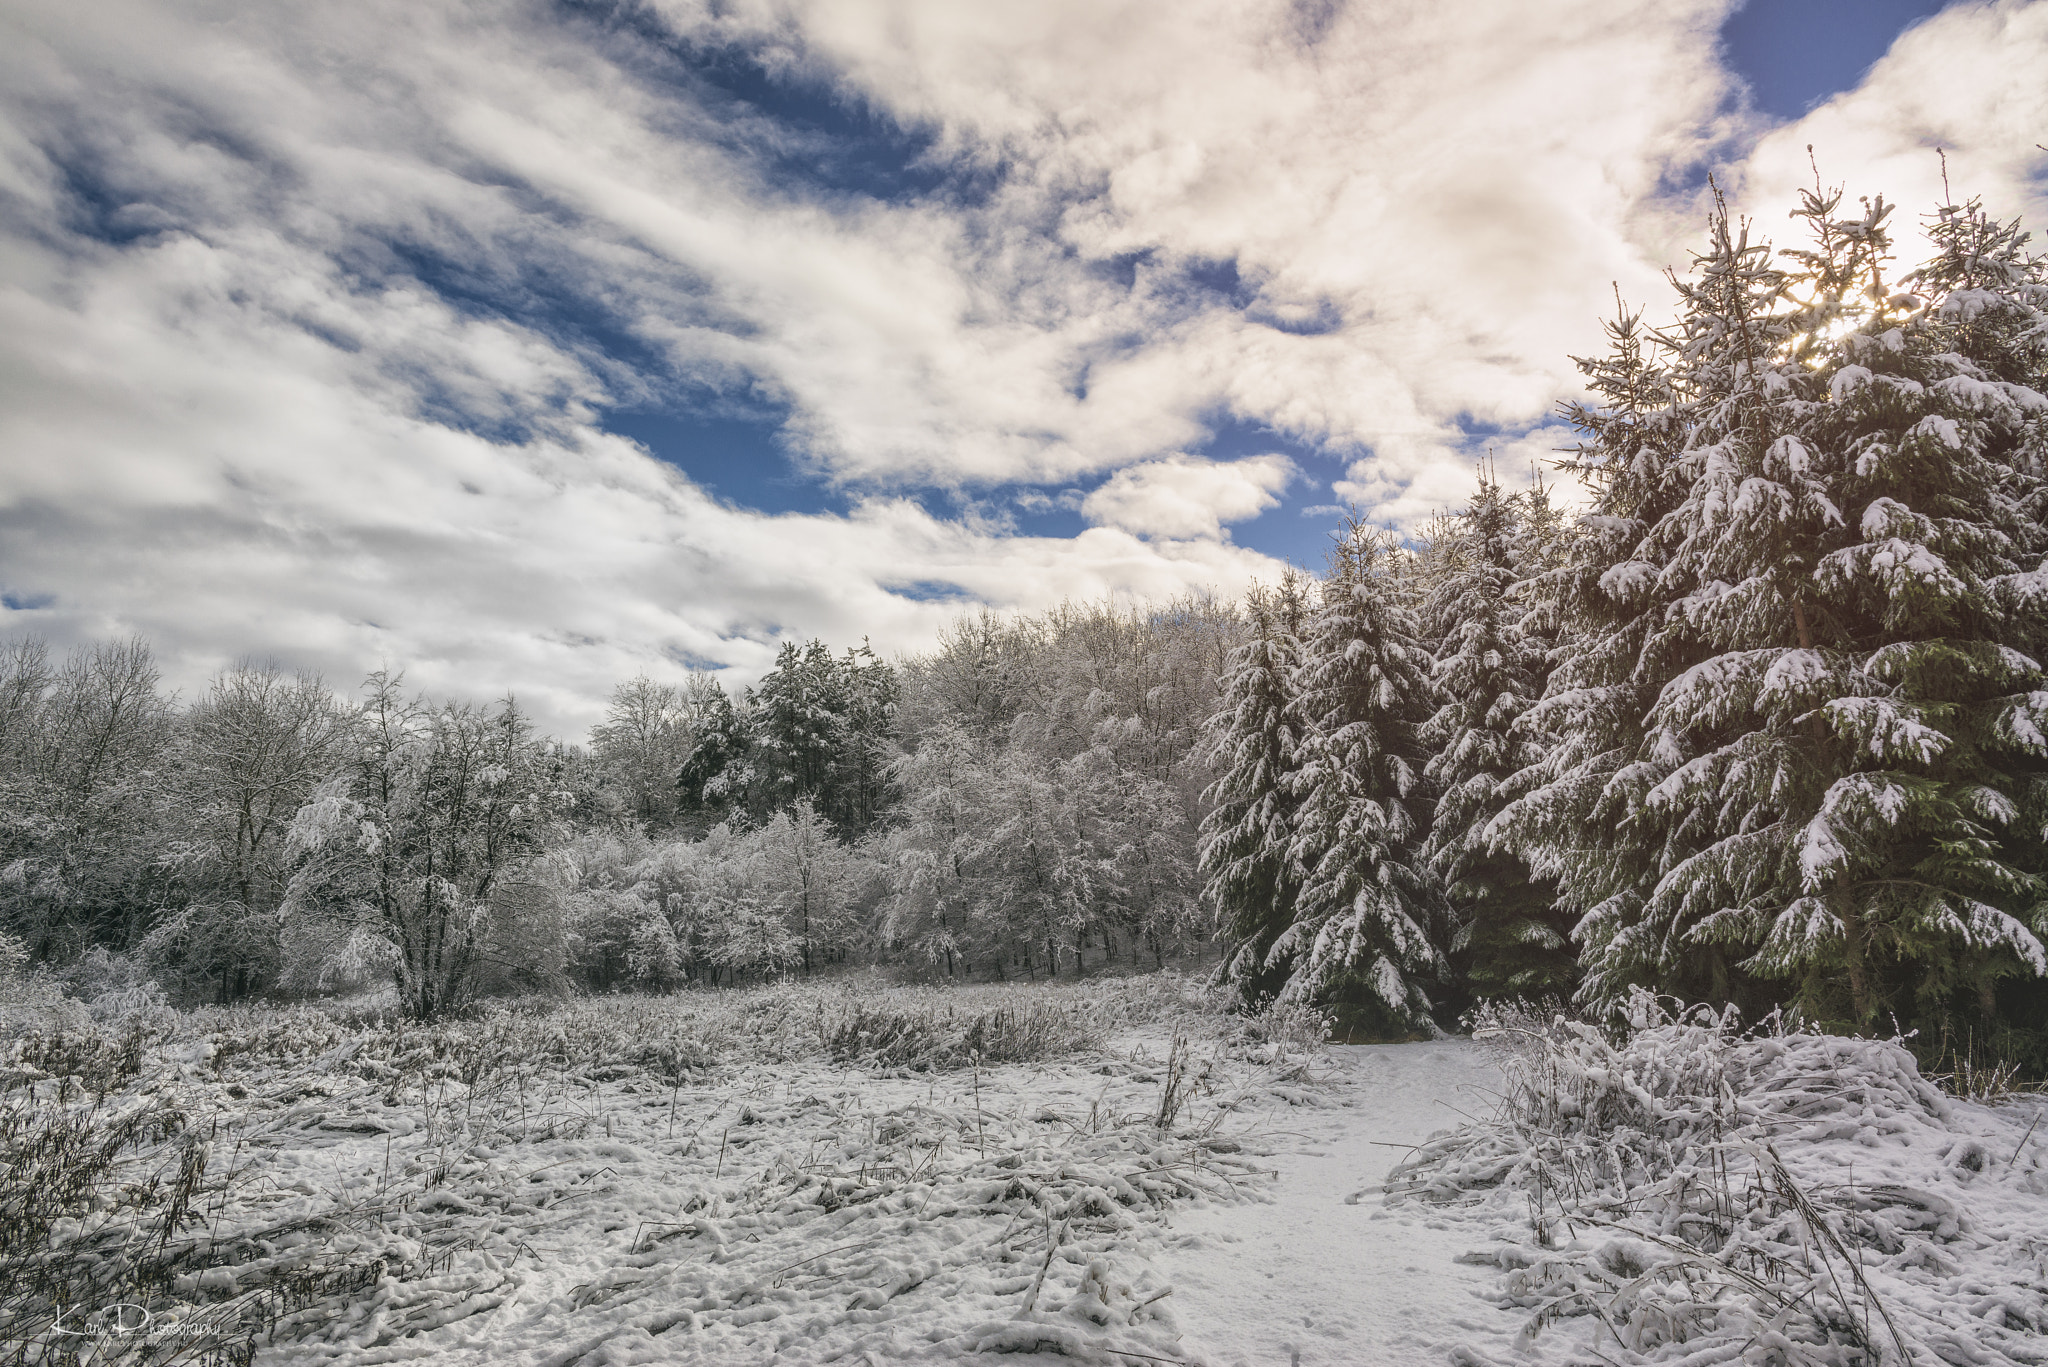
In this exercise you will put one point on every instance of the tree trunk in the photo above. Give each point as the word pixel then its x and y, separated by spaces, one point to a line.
pixel 1717 969
pixel 1855 946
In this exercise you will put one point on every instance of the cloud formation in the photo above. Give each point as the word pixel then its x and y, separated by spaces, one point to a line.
pixel 1184 496
pixel 311 316
pixel 1968 80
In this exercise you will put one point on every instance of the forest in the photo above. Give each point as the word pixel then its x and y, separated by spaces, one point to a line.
pixel 1763 722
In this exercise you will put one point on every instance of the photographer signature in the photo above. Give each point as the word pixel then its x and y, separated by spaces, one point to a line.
pixel 121 1320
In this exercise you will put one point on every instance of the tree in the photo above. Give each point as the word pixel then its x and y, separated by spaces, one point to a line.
pixel 799 723
pixel 813 880
pixel 717 774
pixel 860 792
pixel 432 839
pixel 642 744
pixel 248 756
pixel 81 834
pixel 1248 835
pixel 1490 667
pixel 1800 705
pixel 1360 934
pixel 928 853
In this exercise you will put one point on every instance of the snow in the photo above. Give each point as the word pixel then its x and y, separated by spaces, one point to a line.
pixel 1697 1194
pixel 1890 730
pixel 1321 1272
pixel 811 1174
pixel 1848 380
pixel 1940 429
pixel 745 1177
pixel 1882 515
pixel 1625 581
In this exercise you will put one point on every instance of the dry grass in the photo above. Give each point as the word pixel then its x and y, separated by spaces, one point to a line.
pixel 149 1165
pixel 1680 1190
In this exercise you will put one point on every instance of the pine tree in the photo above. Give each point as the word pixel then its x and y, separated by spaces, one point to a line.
pixel 717 773
pixel 1799 711
pixel 1359 938
pixel 859 793
pixel 1510 940
pixel 799 722
pixel 1245 855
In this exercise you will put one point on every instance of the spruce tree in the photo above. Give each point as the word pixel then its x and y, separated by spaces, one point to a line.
pixel 1359 938
pixel 1249 831
pixel 1510 941
pixel 859 792
pixel 1800 708
pixel 718 772
pixel 798 713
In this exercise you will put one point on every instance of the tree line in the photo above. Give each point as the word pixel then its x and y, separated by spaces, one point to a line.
pixel 1763 722
pixel 1018 802
pixel 1766 723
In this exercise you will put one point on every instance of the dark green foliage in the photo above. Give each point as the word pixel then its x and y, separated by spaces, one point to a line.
pixel 1369 919
pixel 1798 707
pixel 818 728
pixel 1252 878
pixel 1491 662
pixel 715 775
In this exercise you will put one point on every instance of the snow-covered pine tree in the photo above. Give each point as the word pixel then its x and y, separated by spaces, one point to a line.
pixel 1359 938
pixel 859 792
pixel 1248 834
pixel 718 772
pixel 1823 623
pixel 799 722
pixel 1510 939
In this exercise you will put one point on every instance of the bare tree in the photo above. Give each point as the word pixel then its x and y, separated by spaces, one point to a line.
pixel 642 743
pixel 431 838
pixel 250 755
pixel 81 748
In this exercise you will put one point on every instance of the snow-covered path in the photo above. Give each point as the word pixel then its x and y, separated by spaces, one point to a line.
pixel 1334 1283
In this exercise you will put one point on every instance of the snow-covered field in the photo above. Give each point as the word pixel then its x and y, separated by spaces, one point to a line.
pixel 1113 1172
pixel 827 1174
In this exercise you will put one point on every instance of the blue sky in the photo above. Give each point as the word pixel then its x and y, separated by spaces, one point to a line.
pixel 602 336
pixel 1789 56
pixel 1793 54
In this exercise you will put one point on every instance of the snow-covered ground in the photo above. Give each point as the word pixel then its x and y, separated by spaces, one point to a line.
pixel 1322 1272
pixel 805 1175
pixel 827 1175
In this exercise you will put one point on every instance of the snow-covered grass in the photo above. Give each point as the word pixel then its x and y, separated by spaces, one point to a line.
pixel 849 1172
pixel 1695 1193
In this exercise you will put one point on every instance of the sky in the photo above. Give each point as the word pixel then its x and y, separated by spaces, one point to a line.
pixel 537 345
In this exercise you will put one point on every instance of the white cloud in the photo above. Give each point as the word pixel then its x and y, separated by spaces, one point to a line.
pixel 1379 177
pixel 1185 496
pixel 1968 80
pixel 308 313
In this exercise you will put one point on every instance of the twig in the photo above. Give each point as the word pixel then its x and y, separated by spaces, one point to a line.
pixel 1045 1267
pixel 2025 1137
pixel 815 1256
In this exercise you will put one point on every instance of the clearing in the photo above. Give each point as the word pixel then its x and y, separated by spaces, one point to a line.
pixel 1114 1172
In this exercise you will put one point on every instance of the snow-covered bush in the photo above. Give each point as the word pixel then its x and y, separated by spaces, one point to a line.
pixel 1696 1193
